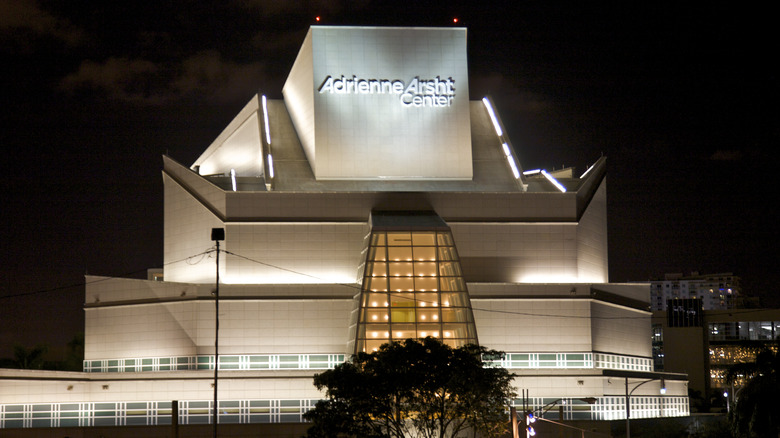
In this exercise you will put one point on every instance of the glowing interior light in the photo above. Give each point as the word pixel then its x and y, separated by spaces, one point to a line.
pixel 398 334
pixel 435 334
pixel 423 334
pixel 233 178
pixel 532 172
pixel 270 165
pixel 386 318
pixel 422 304
pixel 435 317
pixel 265 120
pixel 554 181
pixel 422 317
pixel 493 118
pixel 586 172
pixel 374 317
pixel 374 334
pixel 373 304
pixel 446 334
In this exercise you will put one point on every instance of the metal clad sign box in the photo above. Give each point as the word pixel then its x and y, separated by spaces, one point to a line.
pixel 383 103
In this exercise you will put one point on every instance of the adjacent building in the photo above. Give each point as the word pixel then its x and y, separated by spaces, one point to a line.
pixel 705 343
pixel 716 291
pixel 374 203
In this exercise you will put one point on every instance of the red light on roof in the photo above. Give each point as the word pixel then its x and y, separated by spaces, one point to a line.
pixel 318 18
pixel 455 20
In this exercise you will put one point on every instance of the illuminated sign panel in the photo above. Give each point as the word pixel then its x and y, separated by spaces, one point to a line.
pixel 434 92
pixel 383 103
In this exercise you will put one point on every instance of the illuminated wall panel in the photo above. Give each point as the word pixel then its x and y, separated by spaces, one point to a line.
pixel 388 103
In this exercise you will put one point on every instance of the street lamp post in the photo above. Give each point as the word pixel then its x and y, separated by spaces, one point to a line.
pixel 217 234
pixel 628 400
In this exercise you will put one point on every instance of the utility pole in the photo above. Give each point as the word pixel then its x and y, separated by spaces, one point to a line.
pixel 217 234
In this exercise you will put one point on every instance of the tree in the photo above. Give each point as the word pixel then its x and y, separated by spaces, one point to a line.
pixel 757 413
pixel 29 359
pixel 415 388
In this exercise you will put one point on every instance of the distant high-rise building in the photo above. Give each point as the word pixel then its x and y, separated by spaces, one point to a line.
pixel 716 291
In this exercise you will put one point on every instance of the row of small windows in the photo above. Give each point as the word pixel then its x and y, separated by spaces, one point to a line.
pixel 329 361
pixel 745 330
pixel 609 408
pixel 226 362
pixel 48 415
pixel 151 413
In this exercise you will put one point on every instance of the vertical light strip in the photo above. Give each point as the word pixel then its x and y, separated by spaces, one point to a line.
pixel 270 165
pixel 554 181
pixel 265 120
pixel 493 118
pixel 233 178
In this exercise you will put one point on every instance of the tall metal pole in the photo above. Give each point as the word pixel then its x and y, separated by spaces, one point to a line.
pixel 628 411
pixel 217 234
pixel 216 345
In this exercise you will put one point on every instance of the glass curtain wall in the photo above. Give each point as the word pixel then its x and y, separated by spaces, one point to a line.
pixel 413 287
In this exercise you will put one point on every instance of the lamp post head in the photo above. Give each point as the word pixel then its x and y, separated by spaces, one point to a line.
pixel 217 234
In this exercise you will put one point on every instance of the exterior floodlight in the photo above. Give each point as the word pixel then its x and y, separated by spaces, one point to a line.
pixel 493 118
pixel 725 393
pixel 233 178
pixel 554 181
pixel 663 386
pixel 270 166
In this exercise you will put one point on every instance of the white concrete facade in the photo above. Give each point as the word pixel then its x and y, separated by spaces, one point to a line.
pixel 297 229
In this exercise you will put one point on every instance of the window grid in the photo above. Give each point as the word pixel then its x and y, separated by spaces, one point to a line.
pixel 608 407
pixel 413 288
pixel 151 413
pixel 617 362
pixel 226 362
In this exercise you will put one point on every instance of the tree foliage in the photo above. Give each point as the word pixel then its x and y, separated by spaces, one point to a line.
pixel 29 358
pixel 415 388
pixel 757 412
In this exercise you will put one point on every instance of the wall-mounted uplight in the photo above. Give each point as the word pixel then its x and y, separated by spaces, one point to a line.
pixel 493 118
pixel 270 166
pixel 554 181
pixel 265 121
pixel 233 178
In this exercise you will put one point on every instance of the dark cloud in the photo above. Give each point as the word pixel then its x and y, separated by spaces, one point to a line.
pixel 205 75
pixel 18 17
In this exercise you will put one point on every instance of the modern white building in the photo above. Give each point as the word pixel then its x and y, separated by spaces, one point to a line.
pixel 375 202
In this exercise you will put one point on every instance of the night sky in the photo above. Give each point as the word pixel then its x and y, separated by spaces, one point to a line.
pixel 681 98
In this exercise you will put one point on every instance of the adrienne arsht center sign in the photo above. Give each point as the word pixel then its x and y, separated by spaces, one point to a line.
pixel 382 103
